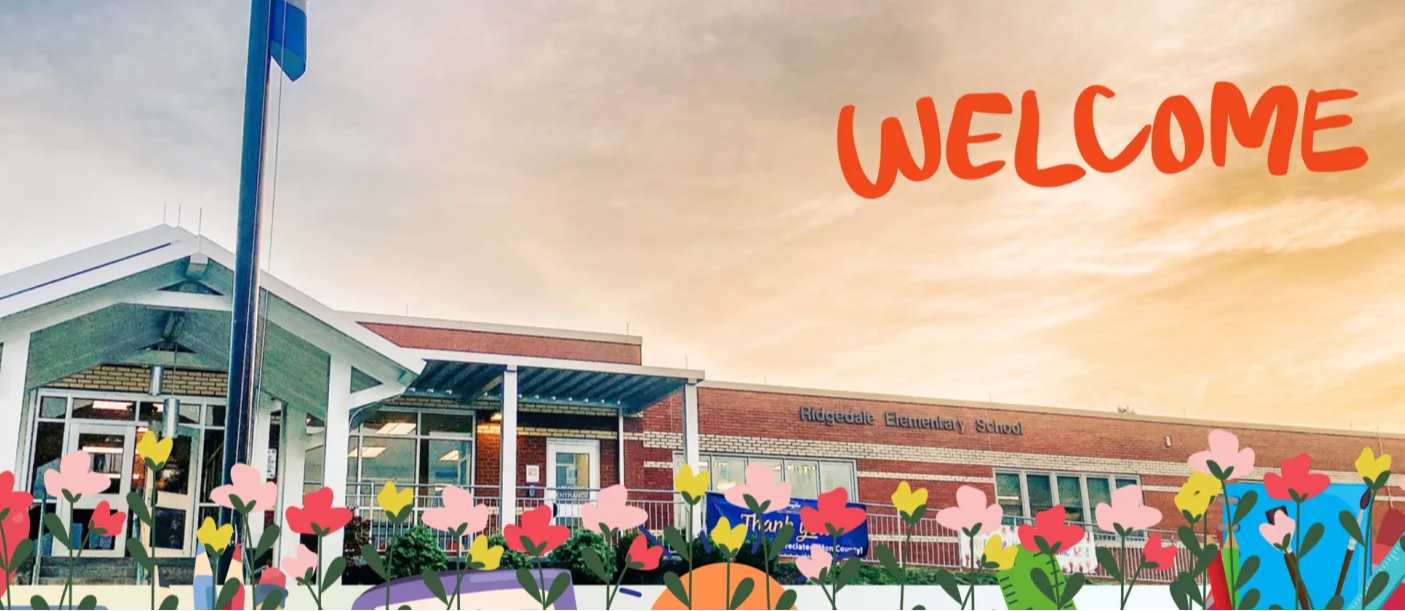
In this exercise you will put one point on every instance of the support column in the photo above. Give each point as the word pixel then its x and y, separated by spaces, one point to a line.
pixel 292 459
pixel 258 452
pixel 691 439
pixel 338 431
pixel 507 503
pixel 619 447
pixel 14 367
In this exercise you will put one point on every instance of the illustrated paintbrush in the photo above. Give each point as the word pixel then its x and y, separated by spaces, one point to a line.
pixel 1351 545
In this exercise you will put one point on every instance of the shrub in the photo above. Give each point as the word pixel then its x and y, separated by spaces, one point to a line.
pixel 568 556
pixel 358 534
pixel 510 559
pixel 415 552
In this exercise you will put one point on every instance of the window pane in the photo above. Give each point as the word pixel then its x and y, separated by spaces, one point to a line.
pixel 189 414
pixel 53 407
pixel 803 476
pixel 1041 493
pixel 446 462
pixel 385 459
pixel 1123 482
pixel 1007 494
pixel 312 464
pixel 48 450
pixel 1071 497
pixel 838 475
pixel 773 463
pixel 104 410
pixel 393 424
pixel 727 471
pixel 351 444
pixel 212 458
pixel 1098 492
pixel 447 424
pixel 214 415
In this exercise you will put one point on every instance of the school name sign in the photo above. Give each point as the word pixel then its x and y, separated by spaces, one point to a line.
pixel 829 417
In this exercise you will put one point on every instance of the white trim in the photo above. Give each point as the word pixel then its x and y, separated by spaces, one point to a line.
pixel 171 300
pixel 14 368
pixel 549 363
pixel 338 432
pixel 507 479
pixel 502 329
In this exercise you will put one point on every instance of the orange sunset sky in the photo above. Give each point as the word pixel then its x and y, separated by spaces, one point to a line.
pixel 669 167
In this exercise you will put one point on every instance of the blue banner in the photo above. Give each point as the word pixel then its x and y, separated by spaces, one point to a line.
pixel 850 544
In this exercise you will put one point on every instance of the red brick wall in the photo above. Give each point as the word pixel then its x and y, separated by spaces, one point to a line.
pixel 507 343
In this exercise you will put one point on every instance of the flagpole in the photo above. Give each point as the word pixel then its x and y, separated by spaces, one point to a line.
pixel 242 335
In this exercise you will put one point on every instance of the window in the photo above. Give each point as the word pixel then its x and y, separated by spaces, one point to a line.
pixel 1008 493
pixel 1022 495
pixel 426 450
pixel 808 478
pixel 1071 497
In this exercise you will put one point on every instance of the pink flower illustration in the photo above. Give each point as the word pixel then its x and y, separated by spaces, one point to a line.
pixel 1279 532
pixel 75 477
pixel 761 486
pixel 299 564
pixel 1295 480
pixel 819 559
pixel 1232 462
pixel 247 483
pixel 458 512
pixel 611 512
pixel 1126 512
pixel 971 511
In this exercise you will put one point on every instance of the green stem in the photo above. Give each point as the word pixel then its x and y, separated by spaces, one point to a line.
pixel 1128 595
pixel 1057 581
pixel 1205 576
pixel 1122 564
pixel 729 585
pixel 455 599
pixel 971 590
pixel 9 570
pixel 151 537
pixel 1367 564
pixel 833 575
pixel 1232 564
pixel 1297 536
pixel 541 579
pixel 902 583
pixel 689 541
pixel 389 551
pixel 317 596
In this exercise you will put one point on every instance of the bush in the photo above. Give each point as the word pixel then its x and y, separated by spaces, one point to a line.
pixel 568 556
pixel 415 552
pixel 510 559
pixel 358 534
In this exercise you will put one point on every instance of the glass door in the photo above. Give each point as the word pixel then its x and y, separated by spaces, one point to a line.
pixel 175 491
pixel 111 447
pixel 572 476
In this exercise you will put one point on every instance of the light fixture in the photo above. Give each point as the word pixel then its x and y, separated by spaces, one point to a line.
pixel 397 428
pixel 451 456
pixel 112 406
pixel 101 450
pixel 497 417
pixel 367 452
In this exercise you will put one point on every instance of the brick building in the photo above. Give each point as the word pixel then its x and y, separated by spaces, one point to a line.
pixel 133 335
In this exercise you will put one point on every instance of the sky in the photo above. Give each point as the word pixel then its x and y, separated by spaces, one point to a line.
pixel 669 169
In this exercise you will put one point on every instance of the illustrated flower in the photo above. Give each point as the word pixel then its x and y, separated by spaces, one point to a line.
pixel 488 557
pixel 729 538
pixel 317 516
pixel 642 556
pixel 1196 494
pixel 1278 531
pixel 1156 555
pixel 833 514
pixel 458 512
pixel 971 514
pixel 1370 468
pixel 216 538
pixel 766 495
pixel 997 554
pixel 1224 459
pixel 75 477
pixel 692 486
pixel 107 523
pixel 395 503
pixel 154 450
pixel 611 512
pixel 13 502
pixel 247 492
pixel 817 561
pixel 301 563
pixel 907 501
pixel 1296 481
pixel 15 528
pixel 1050 534
pixel 541 535
pixel 1126 513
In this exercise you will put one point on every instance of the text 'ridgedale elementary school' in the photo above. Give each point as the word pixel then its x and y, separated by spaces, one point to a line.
pixel 896 420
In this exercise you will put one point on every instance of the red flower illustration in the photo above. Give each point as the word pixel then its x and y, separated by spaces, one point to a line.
pixel 1049 527
pixel 317 516
pixel 16 529
pixel 648 555
pixel 1157 556
pixel 541 534
pixel 834 512
pixel 107 523
pixel 1296 482
pixel 13 501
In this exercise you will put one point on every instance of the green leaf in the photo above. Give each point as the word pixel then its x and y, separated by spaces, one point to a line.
pixel 57 529
pixel 22 552
pixel 1071 588
pixel 1381 480
pixel 1314 534
pixel 947 581
pixel 917 514
pixel 373 560
pixel 1247 501
pixel 137 506
pixel 675 541
pixel 1109 563
pixel 333 574
pixel 558 587
pixel 847 571
pixel 138 553
pixel 38 602
pixel 529 583
pixel 1378 584
pixel 1246 572
pixel 174 602
pixel 266 541
pixel 675 587
pixel 1179 596
pixel 1352 528
pixel 740 594
pixel 1187 535
pixel 786 601
pixel 1040 577
pixel 227 592
pixel 89 602
pixel 436 585
pixel 272 600
pixel 1250 599
pixel 890 564
pixel 782 539
pixel 594 563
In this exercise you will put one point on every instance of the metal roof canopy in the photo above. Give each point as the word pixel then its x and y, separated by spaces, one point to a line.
pixel 628 388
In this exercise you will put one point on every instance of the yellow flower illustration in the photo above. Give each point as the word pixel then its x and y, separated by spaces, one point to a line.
pixel 692 486
pixel 489 557
pixel 729 537
pixel 395 501
pixel 1197 493
pixel 217 539
pixel 157 451
pixel 1370 467
pixel 995 551
pixel 907 501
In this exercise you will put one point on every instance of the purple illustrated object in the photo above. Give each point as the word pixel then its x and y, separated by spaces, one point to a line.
pixel 481 590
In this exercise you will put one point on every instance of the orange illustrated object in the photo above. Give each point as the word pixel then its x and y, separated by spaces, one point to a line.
pixel 710 582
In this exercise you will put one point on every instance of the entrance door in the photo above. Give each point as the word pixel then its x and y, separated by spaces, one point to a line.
pixel 111 447
pixel 572 476
pixel 175 496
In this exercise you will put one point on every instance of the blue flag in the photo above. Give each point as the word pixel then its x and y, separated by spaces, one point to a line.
pixel 287 36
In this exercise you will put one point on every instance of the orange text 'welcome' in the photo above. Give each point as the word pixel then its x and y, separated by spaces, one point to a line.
pixel 1277 108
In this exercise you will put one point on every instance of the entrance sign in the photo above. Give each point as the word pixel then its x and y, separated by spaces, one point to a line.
pixel 850 545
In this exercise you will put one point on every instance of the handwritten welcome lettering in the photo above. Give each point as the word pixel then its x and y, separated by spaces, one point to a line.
pixel 1229 112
